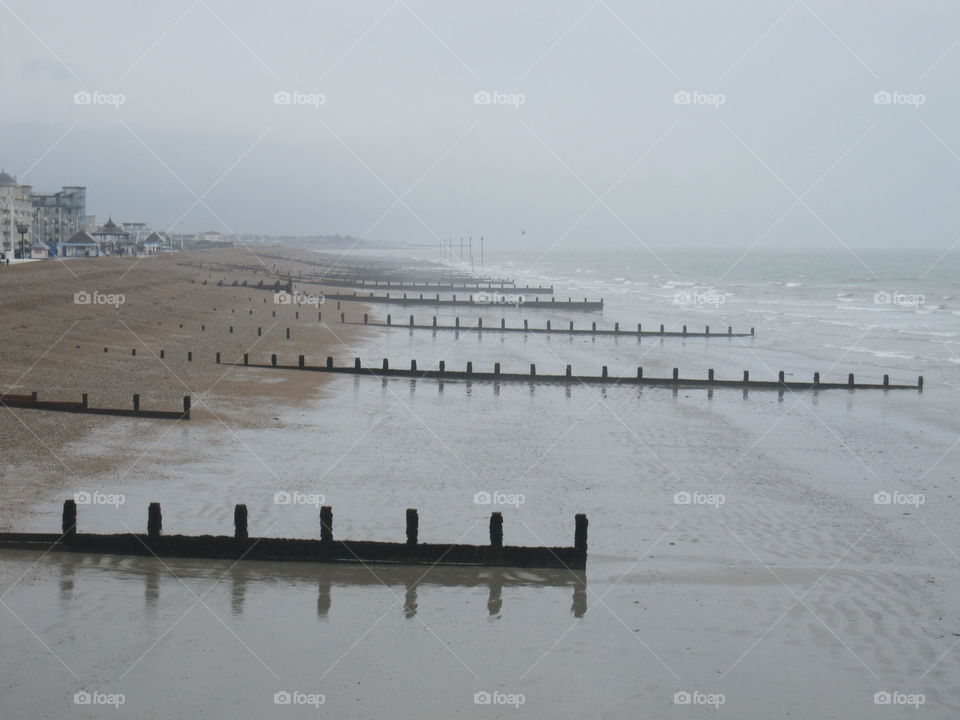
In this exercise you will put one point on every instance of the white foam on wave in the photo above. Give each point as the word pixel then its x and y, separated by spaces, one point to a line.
pixel 876 353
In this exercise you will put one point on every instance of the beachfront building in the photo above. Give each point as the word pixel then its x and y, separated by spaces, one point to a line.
pixel 39 251
pixel 58 215
pixel 154 244
pixel 111 238
pixel 15 207
pixel 81 244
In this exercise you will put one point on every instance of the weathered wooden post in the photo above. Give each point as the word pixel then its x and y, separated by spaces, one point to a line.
pixel 84 401
pixel 186 407
pixel 240 522
pixel 326 524
pixel 69 520
pixel 300 361
pixel 706 330
pixel 443 366
pixel 366 318
pixel 604 372
pixel 133 352
pixel 684 329
pixel 273 359
pixel 676 374
pixel 189 356
pixel 751 332
pixel 729 330
pixel 218 358
pixel 886 381
pixel 594 327
pixel 569 370
pixel 496 368
pixel 457 322
pixel 496 530
pixel 548 326
pixel 413 526
pixel 33 396
pixel 526 324
pixel 746 376
pixel 411 321
pixel 469 368
pixel 533 369
pixel 571 326
pixel 816 379
pixel 386 364
pixel 154 520
pixel 661 328
pixel 288 333
pixel 920 382
pixel 231 329
pixel 580 538
pixel 136 402
pixel 850 379
pixel 161 354
pixel 389 319
pixel 259 331
pixel 434 321
pixel 639 373
pixel 480 323
pixel 413 366
pixel 710 374
pixel 780 377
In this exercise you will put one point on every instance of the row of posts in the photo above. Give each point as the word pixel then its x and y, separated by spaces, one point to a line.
pixel 526 325
pixel 241 531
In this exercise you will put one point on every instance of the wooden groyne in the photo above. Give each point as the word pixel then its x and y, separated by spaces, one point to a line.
pixel 33 403
pixel 240 546
pixel 559 329
pixel 711 381
pixel 481 299
pixel 401 285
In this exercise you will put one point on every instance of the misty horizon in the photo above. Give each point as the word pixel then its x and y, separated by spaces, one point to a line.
pixel 795 126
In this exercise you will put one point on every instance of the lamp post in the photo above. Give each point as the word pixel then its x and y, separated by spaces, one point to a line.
pixel 22 228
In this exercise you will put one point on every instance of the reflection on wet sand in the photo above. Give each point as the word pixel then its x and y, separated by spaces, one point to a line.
pixel 245 576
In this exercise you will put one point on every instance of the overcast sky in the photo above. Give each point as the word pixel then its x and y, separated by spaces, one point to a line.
pixel 782 143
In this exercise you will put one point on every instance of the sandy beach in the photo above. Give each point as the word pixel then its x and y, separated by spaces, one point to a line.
pixel 60 342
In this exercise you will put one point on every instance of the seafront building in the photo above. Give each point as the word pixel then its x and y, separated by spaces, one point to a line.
pixel 15 207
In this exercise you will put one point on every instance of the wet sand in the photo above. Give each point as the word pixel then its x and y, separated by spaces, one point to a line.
pixel 61 349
